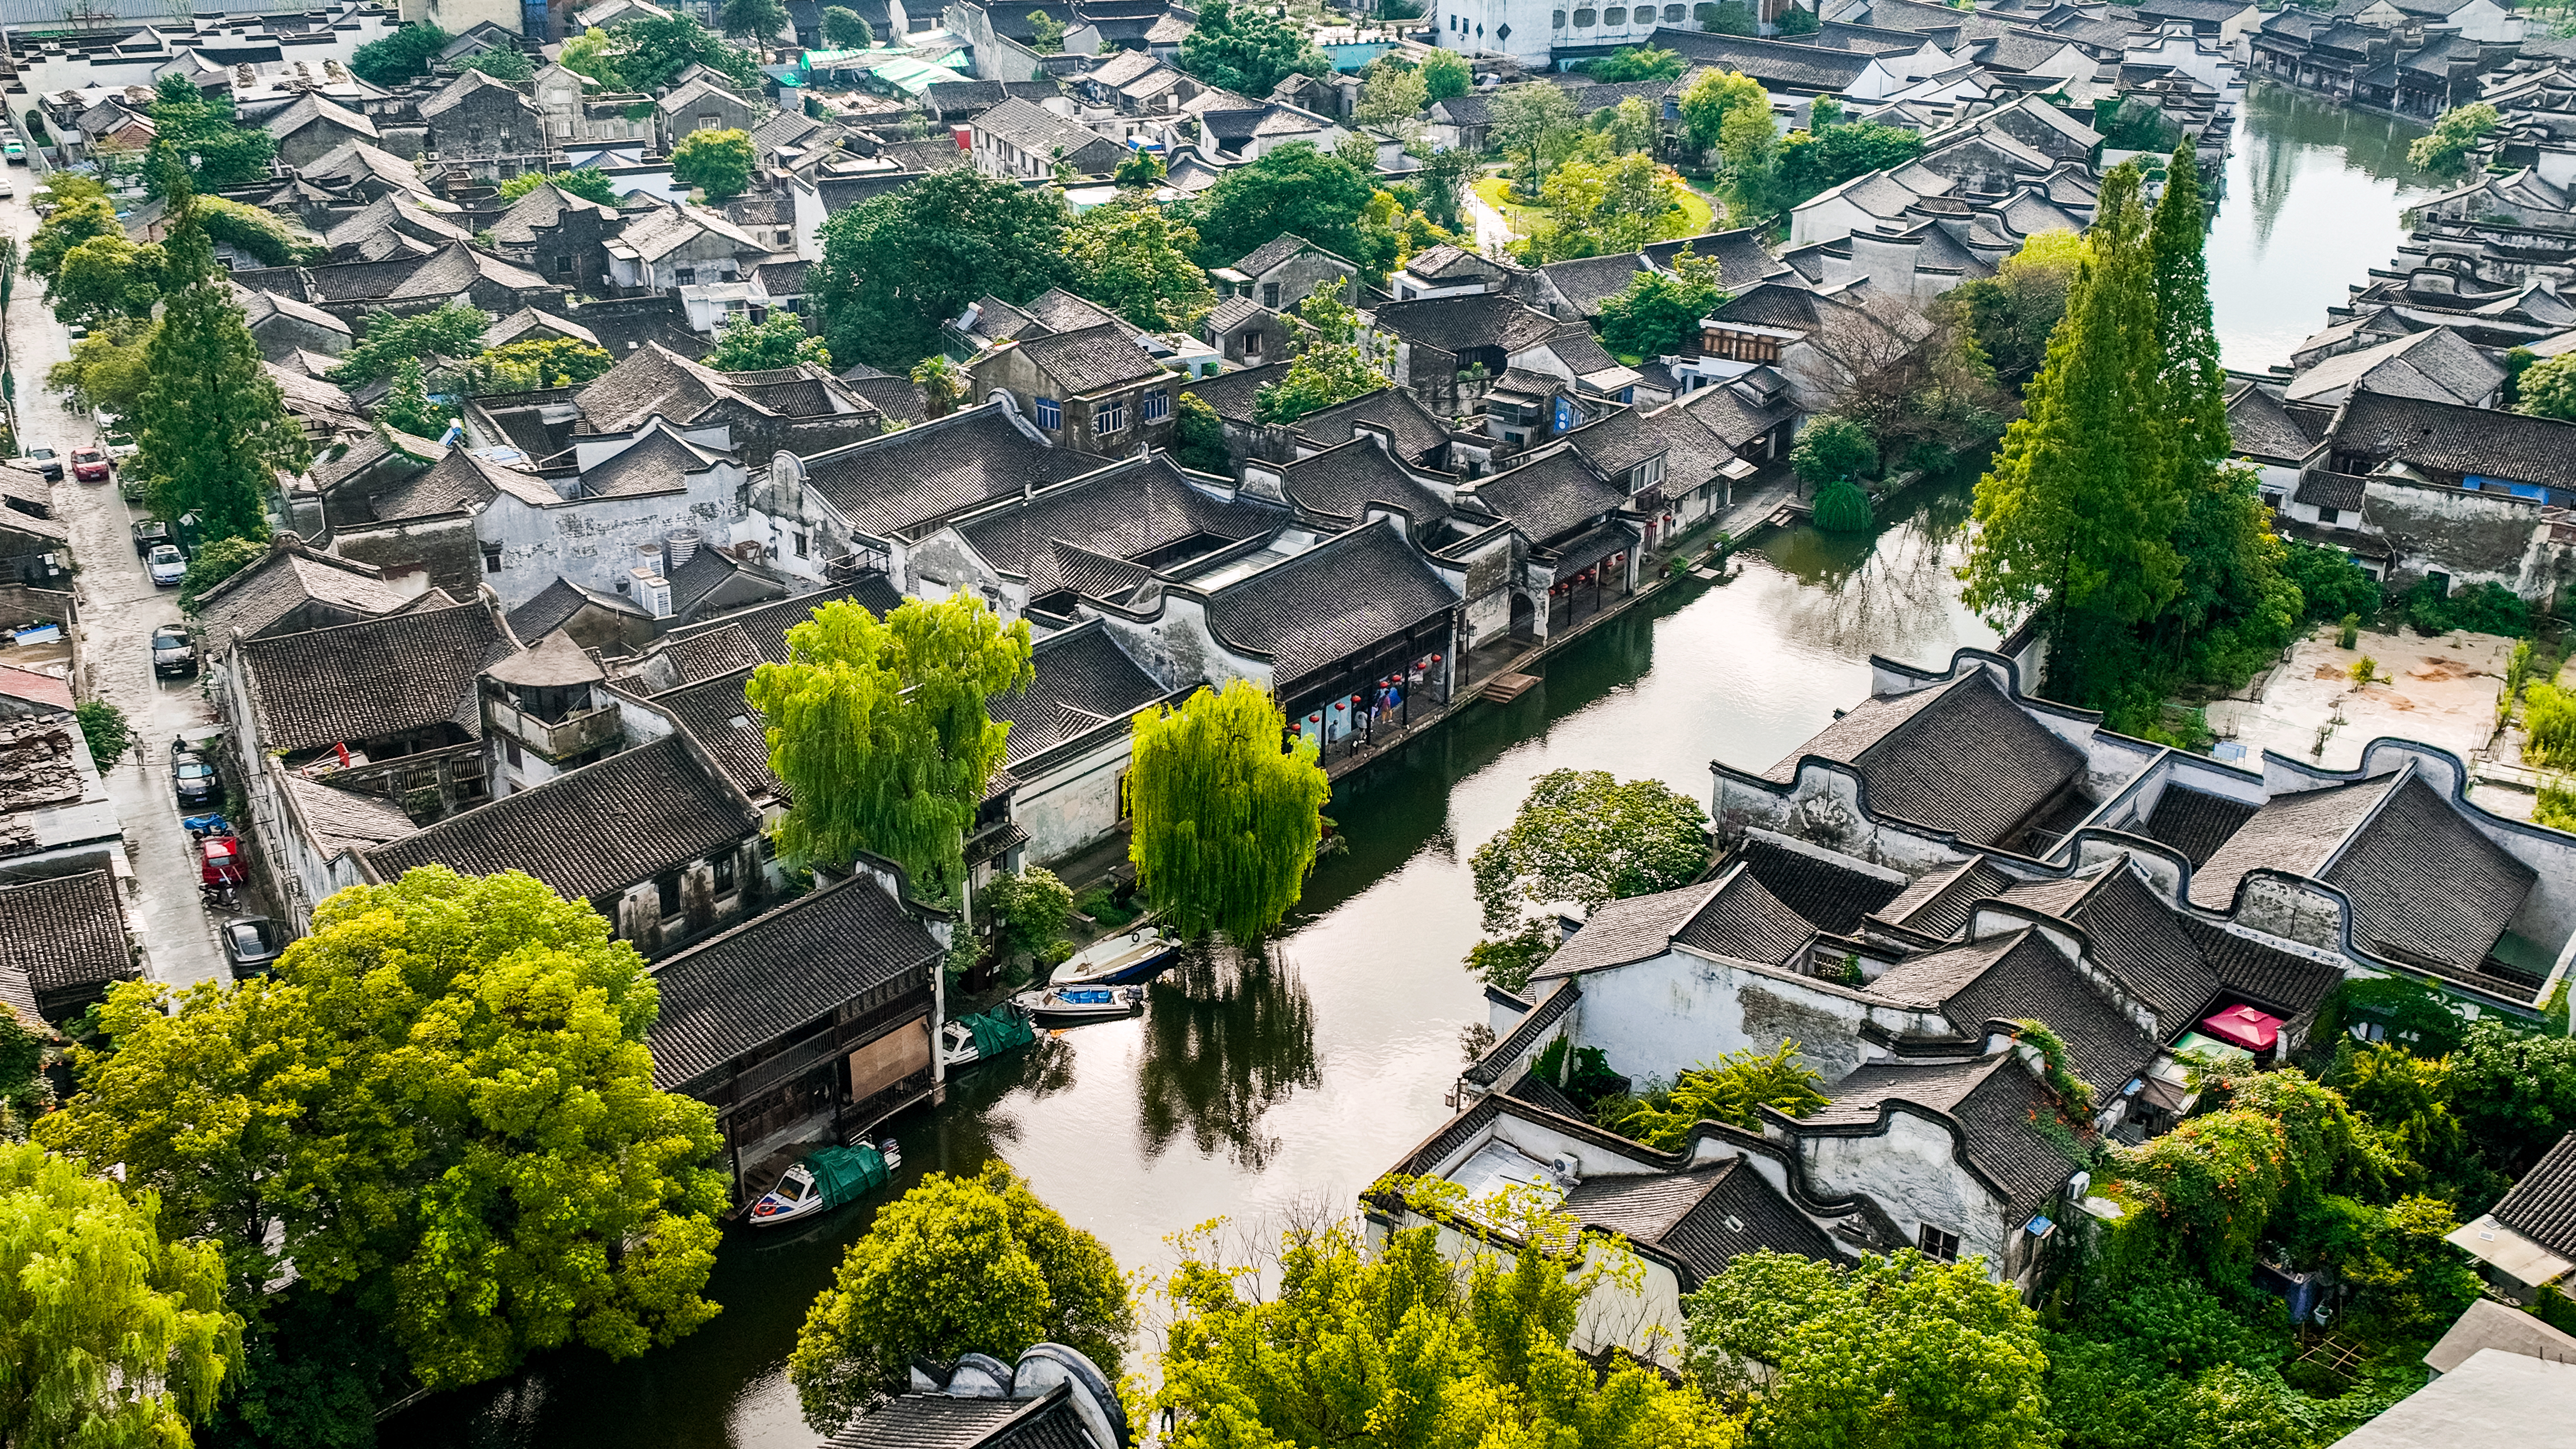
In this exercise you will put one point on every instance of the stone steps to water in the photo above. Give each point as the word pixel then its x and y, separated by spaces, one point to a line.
pixel 1504 688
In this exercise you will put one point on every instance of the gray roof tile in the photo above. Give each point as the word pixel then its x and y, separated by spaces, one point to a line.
pixel 377 677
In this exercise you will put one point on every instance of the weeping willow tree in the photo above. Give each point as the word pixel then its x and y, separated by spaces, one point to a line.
pixel 1842 508
pixel 1225 823
pixel 879 731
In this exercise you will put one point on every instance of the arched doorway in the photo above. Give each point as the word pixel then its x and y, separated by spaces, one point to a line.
pixel 1524 616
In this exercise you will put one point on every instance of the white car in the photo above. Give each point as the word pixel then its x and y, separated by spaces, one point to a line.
pixel 5 188
pixel 166 565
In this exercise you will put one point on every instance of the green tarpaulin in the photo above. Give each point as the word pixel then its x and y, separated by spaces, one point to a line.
pixel 998 1031
pixel 844 1173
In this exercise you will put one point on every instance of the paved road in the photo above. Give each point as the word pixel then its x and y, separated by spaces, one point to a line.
pixel 119 608
pixel 1493 229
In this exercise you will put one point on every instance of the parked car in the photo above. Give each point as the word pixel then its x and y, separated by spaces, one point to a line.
pixel 6 189
pixel 252 945
pixel 192 777
pixel 149 534
pixel 172 652
pixel 15 150
pixel 45 461
pixel 90 465
pixel 113 436
pixel 167 566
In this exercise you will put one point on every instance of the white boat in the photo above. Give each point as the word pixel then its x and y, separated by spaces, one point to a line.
pixel 964 1041
pixel 1131 955
pixel 825 1179
pixel 1067 1005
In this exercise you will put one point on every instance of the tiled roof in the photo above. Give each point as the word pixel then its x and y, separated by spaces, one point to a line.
pixel 930 471
pixel 733 734
pixel 65 934
pixel 2436 364
pixel 1232 394
pixel 1587 282
pixel 2448 438
pixel 287 580
pixel 1134 509
pixel 1774 63
pixel 2141 942
pixel 2542 1206
pixel 762 628
pixel 724 650
pixel 657 462
pixel 1093 359
pixel 1745 922
pixel 1959 756
pixel 2196 822
pixel 343 820
pixel 459 481
pixel 1996 1104
pixel 1627 930
pixel 1417 434
pixel 1083 681
pixel 1341 481
pixel 1832 890
pixel 1517 1042
pixel 766 978
pixel 1476 319
pixel 2280 981
pixel 2295 832
pixel 377 677
pixel 1550 496
pixel 1739 253
pixel 2427 887
pixel 2032 982
pixel 1278 250
pixel 1035 129
pixel 938 1421
pixel 597 829
pixel 1341 597
pixel 1704 1217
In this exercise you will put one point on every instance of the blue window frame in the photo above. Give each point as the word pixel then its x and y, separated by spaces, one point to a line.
pixel 1050 413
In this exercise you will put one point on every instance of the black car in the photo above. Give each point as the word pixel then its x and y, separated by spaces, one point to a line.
pixel 149 534
pixel 252 945
pixel 192 777
pixel 44 461
pixel 172 653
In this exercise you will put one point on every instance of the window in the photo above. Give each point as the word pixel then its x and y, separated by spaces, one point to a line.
pixel 685 276
pixel 1110 417
pixel 1153 407
pixel 667 888
pixel 799 538
pixel 491 558
pixel 510 752
pixel 1938 1244
pixel 1586 19
pixel 1270 295
pixel 1674 14
pixel 1739 347
pixel 708 122
pixel 1558 20
pixel 1050 413
pixel 724 875
pixel 1614 16
pixel 563 265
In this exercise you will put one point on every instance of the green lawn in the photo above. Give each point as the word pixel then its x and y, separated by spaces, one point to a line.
pixel 1698 215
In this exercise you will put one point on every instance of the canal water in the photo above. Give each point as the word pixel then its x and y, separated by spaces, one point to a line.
pixel 2313 201
pixel 1262 1092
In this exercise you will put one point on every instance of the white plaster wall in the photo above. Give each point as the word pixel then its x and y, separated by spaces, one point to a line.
pixel 1912 1170
pixel 1071 807
pixel 593 541
pixel 1659 1017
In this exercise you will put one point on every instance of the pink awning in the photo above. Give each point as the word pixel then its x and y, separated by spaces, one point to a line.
pixel 2243 1025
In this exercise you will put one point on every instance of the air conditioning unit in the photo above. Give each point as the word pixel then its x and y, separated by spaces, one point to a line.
pixel 2078 1186
pixel 1567 1167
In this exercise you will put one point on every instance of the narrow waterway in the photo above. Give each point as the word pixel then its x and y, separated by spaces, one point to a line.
pixel 1252 1092
pixel 1249 1091
pixel 2313 201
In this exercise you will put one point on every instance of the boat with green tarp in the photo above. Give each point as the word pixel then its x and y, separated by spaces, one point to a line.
pixel 826 1178
pixel 985 1035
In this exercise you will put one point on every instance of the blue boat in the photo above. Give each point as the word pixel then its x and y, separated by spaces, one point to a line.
pixel 1136 954
pixel 1070 1005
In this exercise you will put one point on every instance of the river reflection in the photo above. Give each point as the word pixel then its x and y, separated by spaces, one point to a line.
pixel 1228 1035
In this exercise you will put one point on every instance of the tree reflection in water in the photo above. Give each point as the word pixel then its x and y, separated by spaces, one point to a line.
pixel 1229 1034
pixel 1886 593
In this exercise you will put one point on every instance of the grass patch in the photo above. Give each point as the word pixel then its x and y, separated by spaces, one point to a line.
pixel 1698 216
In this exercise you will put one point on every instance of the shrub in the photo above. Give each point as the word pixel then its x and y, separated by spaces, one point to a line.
pixel 2330 583
pixel 2548 725
pixel 2350 634
pixel 1842 508
pixel 2489 608
pixel 103 726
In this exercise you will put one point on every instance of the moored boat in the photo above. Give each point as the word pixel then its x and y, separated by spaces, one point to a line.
pixel 985 1035
pixel 1130 956
pixel 1070 1005
pixel 825 1179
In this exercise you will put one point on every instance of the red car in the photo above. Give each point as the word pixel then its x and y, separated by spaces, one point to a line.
pixel 220 861
pixel 89 465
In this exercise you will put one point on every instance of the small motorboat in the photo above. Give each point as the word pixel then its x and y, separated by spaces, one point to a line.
pixel 985 1035
pixel 1070 1005
pixel 825 1179
pixel 1130 956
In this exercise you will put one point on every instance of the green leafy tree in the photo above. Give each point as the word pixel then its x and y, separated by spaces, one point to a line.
pixel 879 729
pixel 2455 139
pixel 743 345
pixel 106 369
pixel 1530 120
pixel 1842 507
pixel 847 29
pixel 897 266
pixel 1140 168
pixel 257 234
pixel 501 62
pixel 2013 312
pixel 1394 92
pixel 957 1265
pixel 106 279
pixel 539 363
pixel 2329 581
pixel 441 1109
pixel 1712 98
pixel 408 407
pixel 1731 1089
pixel 594 53
pixel 1322 375
pixel 104 729
pixel 2514 1092
pixel 454 330
pixel 1811 163
pixel 214 428
pixel 201 135
pixel 1732 17
pixel 1401 1340
pixel 1748 163
pixel 401 56
pixel 717 162
pixel 2547 389
pixel 1445 75
pixel 2076 512
pixel 1292 188
pixel 1797 21
pixel 1637 63
pixel 758 21
pixel 1630 127
pixel 1046 33
pixel 587 182
pixel 941 384
pixel 1225 821
pixel 1133 258
pixel 1198 436
pixel 1247 50
pixel 1896 1352
pixel 649 54
pixel 1586 837
pixel 215 563
pixel 1658 314
pixel 109 1335
pixel 1511 959
pixel 1833 449
pixel 1029 911
pixel 81 214
pixel 24 1092
pixel 1606 206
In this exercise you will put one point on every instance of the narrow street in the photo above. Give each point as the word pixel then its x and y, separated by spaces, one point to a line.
pixel 119 608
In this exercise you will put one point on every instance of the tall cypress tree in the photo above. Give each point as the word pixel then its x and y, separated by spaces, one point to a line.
pixel 2195 388
pixel 214 425
pixel 2077 513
